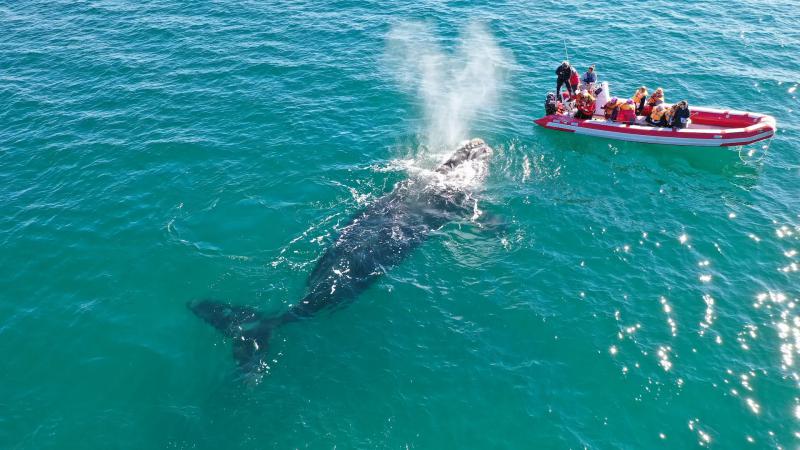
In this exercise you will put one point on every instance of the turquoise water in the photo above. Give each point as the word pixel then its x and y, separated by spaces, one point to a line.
pixel 156 152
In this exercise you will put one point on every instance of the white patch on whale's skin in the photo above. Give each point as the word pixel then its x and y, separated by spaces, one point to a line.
pixel 468 174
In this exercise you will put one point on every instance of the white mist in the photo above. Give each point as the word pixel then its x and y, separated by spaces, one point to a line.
pixel 453 88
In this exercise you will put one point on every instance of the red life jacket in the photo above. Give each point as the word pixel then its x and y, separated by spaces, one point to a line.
pixel 574 78
pixel 626 115
pixel 587 107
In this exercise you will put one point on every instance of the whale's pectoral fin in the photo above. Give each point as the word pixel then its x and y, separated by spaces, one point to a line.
pixel 228 319
pixel 493 223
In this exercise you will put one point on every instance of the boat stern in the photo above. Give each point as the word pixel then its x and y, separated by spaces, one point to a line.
pixel 543 121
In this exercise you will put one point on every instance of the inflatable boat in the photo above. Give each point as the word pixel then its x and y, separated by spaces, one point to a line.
pixel 708 127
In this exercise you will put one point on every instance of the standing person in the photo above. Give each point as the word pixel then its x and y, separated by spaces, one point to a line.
pixel 562 73
pixel 574 80
pixel 589 79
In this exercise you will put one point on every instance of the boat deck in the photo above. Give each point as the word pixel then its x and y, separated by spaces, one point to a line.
pixel 640 121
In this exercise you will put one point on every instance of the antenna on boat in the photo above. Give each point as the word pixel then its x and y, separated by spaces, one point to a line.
pixel 566 55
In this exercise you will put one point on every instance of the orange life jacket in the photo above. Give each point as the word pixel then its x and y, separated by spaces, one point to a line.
pixel 609 108
pixel 657 113
pixel 656 98
pixel 639 95
pixel 669 113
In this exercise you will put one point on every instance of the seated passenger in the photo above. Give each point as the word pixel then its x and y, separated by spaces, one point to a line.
pixel 589 79
pixel 639 98
pixel 669 114
pixel 611 108
pixel 680 119
pixel 627 112
pixel 552 105
pixel 586 105
pixel 656 99
pixel 657 116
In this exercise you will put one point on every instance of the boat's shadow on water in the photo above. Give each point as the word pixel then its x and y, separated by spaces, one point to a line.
pixel 726 162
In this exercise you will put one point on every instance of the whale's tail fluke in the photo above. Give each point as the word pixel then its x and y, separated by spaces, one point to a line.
pixel 249 329
pixel 226 318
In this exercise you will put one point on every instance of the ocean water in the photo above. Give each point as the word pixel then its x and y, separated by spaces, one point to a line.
pixel 156 152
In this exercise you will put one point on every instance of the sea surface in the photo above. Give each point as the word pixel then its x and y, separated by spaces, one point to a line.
pixel 624 296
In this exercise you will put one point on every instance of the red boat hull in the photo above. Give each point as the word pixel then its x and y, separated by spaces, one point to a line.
pixel 709 128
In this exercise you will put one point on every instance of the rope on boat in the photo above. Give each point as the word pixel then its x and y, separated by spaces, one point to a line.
pixel 753 155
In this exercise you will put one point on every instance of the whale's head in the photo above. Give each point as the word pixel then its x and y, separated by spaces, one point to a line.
pixel 473 150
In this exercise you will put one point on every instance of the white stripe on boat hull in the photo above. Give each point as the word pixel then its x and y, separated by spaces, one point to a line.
pixel 650 139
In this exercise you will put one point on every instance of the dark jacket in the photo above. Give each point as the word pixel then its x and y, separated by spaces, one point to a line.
pixel 589 77
pixel 680 117
pixel 563 72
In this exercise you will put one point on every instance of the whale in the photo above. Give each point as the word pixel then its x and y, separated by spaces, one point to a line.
pixel 376 239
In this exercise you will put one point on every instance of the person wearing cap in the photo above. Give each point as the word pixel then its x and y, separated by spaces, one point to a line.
pixel 562 78
pixel 588 79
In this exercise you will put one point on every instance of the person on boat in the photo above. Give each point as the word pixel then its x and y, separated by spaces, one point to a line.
pixel 574 81
pixel 680 118
pixel 562 78
pixel 552 105
pixel 656 99
pixel 610 108
pixel 627 112
pixel 586 105
pixel 639 98
pixel 669 115
pixel 657 117
pixel 588 79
